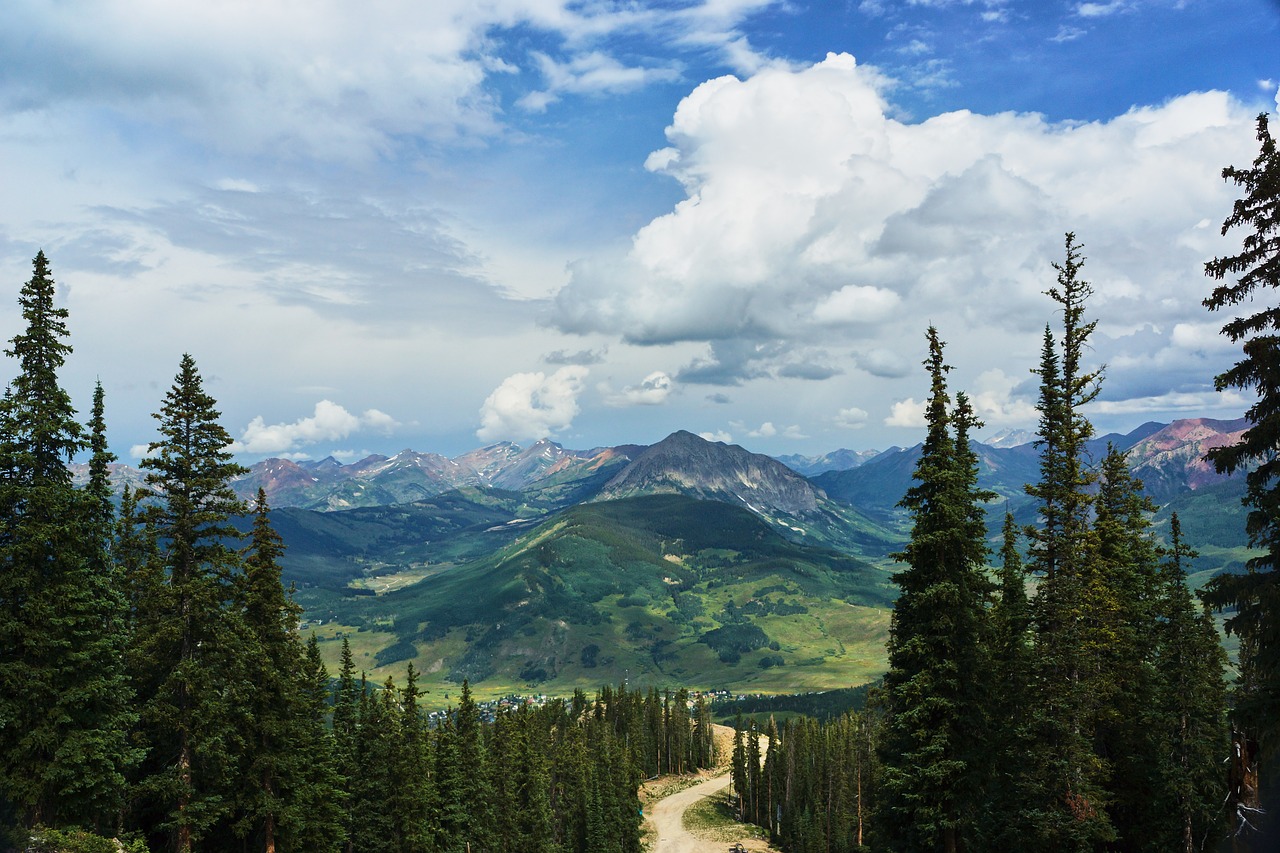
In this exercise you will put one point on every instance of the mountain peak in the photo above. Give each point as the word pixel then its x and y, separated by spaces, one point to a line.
pixel 688 464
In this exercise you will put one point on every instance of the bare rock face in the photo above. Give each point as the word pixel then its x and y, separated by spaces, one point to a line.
pixel 684 463
pixel 1172 459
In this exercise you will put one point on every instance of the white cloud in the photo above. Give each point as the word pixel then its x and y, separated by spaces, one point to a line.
pixel 590 73
pixel 906 413
pixel 1188 403
pixel 652 391
pixel 995 403
pixel 851 418
pixel 330 422
pixel 719 435
pixel 766 430
pixel 855 304
pixel 332 79
pixel 808 209
pixel 532 405
pixel 1067 33
pixel 1100 10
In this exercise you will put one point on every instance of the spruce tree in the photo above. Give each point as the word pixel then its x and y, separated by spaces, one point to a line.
pixel 191 637
pixel 64 702
pixel 935 685
pixel 1122 591
pixel 1190 710
pixel 320 804
pixel 1253 598
pixel 1009 791
pixel 272 661
pixel 1071 801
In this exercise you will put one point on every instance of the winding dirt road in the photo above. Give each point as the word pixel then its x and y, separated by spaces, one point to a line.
pixel 668 819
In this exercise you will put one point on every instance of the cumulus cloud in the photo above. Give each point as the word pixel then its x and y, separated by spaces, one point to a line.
pixel 532 405
pixel 811 214
pixel 995 401
pixel 851 418
pixel 330 422
pixel 856 304
pixel 652 391
pixel 769 430
pixel 718 435
pixel 906 413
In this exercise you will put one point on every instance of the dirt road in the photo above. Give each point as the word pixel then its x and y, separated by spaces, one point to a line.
pixel 668 819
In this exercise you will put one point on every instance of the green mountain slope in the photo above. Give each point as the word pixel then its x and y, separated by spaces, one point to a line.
pixel 659 589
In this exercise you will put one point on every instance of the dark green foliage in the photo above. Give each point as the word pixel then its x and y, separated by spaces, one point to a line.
pixel 1010 787
pixel 817 789
pixel 1253 598
pixel 731 641
pixel 823 706
pixel 1188 713
pixel 65 707
pixel 935 729
pixel 1070 809
pixel 188 652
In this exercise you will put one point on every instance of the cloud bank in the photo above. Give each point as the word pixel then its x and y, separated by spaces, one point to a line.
pixel 812 215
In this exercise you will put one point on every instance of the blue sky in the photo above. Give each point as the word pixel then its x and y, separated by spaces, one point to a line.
pixel 441 225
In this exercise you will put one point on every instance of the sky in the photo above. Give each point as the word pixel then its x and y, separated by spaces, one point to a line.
pixel 438 225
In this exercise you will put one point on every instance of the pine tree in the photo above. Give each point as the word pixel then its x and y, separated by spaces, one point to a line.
pixel 346 701
pixel 1009 792
pixel 1068 775
pixel 272 660
pixel 1122 592
pixel 64 703
pixel 320 804
pixel 1190 711
pixel 935 684
pixel 190 637
pixel 1254 597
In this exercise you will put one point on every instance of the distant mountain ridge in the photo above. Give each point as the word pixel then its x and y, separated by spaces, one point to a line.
pixel 1167 457
pixel 683 463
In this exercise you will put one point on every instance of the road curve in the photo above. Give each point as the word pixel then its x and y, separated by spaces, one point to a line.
pixel 668 819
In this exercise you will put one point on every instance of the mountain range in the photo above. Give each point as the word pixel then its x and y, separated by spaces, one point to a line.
pixel 686 561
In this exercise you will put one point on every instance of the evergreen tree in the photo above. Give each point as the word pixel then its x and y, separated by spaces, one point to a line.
pixel 191 636
pixel 411 799
pixel 320 802
pixel 346 701
pixel 375 824
pixel 935 684
pixel 272 660
pixel 1069 777
pixel 1009 791
pixel 64 702
pixel 1190 711
pixel 1253 598
pixel 1122 592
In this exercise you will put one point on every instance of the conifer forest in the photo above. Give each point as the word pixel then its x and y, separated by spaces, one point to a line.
pixel 1058 690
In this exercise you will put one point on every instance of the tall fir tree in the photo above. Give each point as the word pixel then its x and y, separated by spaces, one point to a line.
pixel 1122 590
pixel 1190 711
pixel 935 685
pixel 191 637
pixel 1008 820
pixel 1069 779
pixel 273 774
pixel 320 804
pixel 64 701
pixel 1253 598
